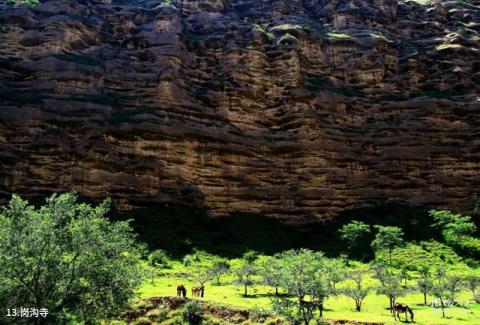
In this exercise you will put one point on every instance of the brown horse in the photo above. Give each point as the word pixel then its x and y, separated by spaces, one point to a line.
pixel 198 291
pixel 181 291
pixel 310 307
pixel 402 308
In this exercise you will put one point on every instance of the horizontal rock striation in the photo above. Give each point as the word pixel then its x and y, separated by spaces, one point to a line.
pixel 293 109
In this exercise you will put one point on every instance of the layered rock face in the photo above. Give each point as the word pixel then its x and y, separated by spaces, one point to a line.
pixel 298 110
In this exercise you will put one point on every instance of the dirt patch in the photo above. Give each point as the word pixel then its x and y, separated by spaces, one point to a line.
pixel 234 316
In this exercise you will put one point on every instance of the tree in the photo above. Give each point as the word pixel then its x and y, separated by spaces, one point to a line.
pixel 248 270
pixel 387 238
pixel 245 276
pixel 67 257
pixel 425 282
pixel 219 268
pixel 454 226
pixel 271 271
pixel 445 289
pixel 200 275
pixel 250 257
pixel 358 292
pixel 335 269
pixel 405 275
pixel 353 232
pixel 390 283
pixel 306 283
pixel 473 285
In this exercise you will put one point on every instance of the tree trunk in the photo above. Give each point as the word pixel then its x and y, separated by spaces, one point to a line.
pixel 302 310
pixel 218 280
pixel 276 291
pixel 425 297
pixel 391 304
pixel 358 305
pixel 245 293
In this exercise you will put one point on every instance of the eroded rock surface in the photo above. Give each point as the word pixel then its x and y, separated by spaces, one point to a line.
pixel 293 109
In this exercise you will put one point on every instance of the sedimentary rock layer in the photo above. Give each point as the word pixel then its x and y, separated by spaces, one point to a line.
pixel 293 109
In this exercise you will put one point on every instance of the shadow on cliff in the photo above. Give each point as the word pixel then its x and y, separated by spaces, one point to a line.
pixel 180 229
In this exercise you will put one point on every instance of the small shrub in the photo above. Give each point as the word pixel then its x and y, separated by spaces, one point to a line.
pixel 142 321
pixel 158 315
pixel 258 313
pixel 193 313
pixel 159 258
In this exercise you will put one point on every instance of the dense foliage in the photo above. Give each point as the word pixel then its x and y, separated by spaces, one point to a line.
pixel 67 257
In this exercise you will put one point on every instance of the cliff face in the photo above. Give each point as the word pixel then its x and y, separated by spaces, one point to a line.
pixel 290 108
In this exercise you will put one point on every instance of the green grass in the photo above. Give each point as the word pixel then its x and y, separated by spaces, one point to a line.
pixel 374 308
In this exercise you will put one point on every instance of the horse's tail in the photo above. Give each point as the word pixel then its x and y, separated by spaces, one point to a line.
pixel 410 311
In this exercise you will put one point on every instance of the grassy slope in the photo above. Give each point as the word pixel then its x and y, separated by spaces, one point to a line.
pixel 336 308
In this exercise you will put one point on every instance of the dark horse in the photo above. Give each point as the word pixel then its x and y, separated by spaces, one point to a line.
pixel 181 291
pixel 402 308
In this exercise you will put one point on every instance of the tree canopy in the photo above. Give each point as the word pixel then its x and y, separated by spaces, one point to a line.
pixel 67 257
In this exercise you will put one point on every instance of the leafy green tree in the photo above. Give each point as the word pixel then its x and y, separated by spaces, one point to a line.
pixel 306 282
pixel 200 275
pixel 219 267
pixel 67 257
pixel 405 274
pixel 250 257
pixel 425 282
pixel 245 276
pixel 472 282
pixel 453 226
pixel 271 271
pixel 446 288
pixel 353 232
pixel 390 283
pixel 387 238
pixel 358 292
pixel 336 271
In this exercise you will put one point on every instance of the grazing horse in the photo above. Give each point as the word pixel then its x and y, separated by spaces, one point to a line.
pixel 398 308
pixel 310 307
pixel 181 291
pixel 198 291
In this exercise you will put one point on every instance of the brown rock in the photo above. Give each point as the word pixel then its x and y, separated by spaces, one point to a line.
pixel 242 105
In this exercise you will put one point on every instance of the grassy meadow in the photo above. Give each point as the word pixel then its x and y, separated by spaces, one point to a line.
pixel 339 307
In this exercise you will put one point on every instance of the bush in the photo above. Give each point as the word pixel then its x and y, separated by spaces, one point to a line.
pixel 159 258
pixel 193 313
pixel 142 321
pixel 258 313
pixel 158 315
